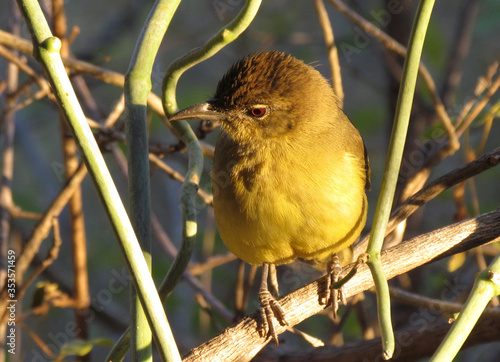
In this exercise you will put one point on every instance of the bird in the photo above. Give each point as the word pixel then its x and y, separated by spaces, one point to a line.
pixel 289 171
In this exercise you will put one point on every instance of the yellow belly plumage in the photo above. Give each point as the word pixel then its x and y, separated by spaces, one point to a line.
pixel 304 213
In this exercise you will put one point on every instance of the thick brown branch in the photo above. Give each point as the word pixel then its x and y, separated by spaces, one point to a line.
pixel 411 345
pixel 242 341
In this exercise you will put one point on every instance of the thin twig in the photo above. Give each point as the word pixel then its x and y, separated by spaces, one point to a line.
pixel 460 49
pixel 12 58
pixel 70 157
pixel 394 46
pixel 419 177
pixel 249 281
pixel 333 55
pixel 43 346
pixel 40 94
pixel 171 251
pixel 16 212
pixel 105 75
pixel 51 256
pixel 315 342
pixel 433 189
pixel 42 229
pixel 210 263
pixel 84 93
pixel 492 114
pixel 445 307
pixel 238 290
pixel 78 66
pixel 482 84
pixel 7 173
pixel 207 199
pixel 479 106
pixel 115 113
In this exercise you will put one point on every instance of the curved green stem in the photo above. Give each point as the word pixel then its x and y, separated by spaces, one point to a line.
pixel 486 286
pixel 137 88
pixel 46 50
pixel 393 163
pixel 190 186
pixel 383 306
pixel 225 36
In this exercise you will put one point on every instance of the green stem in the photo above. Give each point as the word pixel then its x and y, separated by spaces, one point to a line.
pixel 137 88
pixel 190 186
pixel 383 306
pixel 486 286
pixel 393 163
pixel 225 36
pixel 46 50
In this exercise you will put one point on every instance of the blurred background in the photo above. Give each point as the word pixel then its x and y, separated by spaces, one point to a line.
pixel 105 33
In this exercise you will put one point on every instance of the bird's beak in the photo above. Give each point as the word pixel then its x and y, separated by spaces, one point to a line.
pixel 203 111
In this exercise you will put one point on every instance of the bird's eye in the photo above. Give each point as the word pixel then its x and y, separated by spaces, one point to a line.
pixel 258 111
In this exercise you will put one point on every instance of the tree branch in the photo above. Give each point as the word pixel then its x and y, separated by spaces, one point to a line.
pixel 242 340
pixel 411 344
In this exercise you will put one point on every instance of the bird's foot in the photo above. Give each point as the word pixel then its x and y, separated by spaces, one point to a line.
pixel 269 308
pixel 333 292
pixel 332 295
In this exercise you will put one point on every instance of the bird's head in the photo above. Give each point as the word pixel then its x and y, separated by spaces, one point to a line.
pixel 265 95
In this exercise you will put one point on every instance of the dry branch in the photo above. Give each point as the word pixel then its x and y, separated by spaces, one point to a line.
pixel 411 345
pixel 241 341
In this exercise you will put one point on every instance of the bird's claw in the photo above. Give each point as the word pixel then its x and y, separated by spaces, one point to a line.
pixel 269 308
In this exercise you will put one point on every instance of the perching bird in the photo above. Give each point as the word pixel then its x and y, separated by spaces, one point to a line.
pixel 289 172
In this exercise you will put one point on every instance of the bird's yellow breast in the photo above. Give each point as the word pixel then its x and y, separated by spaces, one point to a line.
pixel 272 208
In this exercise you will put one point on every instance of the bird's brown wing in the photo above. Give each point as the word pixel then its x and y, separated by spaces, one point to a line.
pixel 367 169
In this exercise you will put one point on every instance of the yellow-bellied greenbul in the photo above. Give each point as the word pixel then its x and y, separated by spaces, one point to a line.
pixel 290 170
